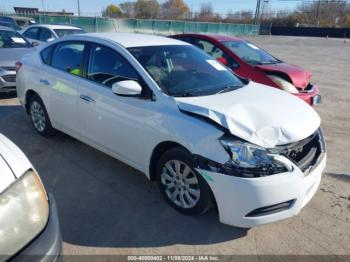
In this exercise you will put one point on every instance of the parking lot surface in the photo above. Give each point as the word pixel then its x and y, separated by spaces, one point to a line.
pixel 106 207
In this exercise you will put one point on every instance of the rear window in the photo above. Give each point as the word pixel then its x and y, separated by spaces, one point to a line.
pixel 11 39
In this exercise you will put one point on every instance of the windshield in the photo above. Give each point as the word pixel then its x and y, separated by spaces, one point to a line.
pixel 11 39
pixel 63 32
pixel 251 53
pixel 184 70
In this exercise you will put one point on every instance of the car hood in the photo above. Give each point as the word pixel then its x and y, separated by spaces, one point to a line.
pixel 299 76
pixel 259 114
pixel 9 56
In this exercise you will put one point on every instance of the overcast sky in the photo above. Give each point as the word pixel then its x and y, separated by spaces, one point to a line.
pixel 94 7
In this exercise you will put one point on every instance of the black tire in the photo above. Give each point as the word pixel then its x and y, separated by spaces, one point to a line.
pixel 36 104
pixel 205 201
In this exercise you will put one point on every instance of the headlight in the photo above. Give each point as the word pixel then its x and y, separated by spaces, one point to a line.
pixel 248 160
pixel 24 211
pixel 285 85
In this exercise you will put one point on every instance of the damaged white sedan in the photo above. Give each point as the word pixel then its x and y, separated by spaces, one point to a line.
pixel 209 138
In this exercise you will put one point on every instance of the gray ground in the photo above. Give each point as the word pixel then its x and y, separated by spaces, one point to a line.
pixel 106 207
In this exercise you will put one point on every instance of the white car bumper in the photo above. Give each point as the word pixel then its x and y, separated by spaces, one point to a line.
pixel 246 202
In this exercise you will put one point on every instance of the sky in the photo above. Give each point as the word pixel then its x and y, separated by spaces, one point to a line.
pixel 94 7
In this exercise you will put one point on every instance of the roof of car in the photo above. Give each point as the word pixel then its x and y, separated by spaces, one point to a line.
pixel 56 26
pixel 132 39
pixel 217 37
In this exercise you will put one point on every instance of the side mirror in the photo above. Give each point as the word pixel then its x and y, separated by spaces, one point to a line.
pixel 127 88
pixel 35 43
pixel 222 60
pixel 50 39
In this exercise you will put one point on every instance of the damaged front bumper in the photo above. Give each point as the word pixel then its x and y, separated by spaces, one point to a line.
pixel 248 202
pixel 310 95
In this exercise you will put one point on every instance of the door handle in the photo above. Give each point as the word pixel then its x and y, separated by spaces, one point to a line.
pixel 45 82
pixel 87 98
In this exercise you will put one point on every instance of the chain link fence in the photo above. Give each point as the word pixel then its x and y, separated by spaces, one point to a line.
pixel 157 27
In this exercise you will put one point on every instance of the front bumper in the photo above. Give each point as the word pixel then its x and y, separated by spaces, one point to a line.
pixel 7 81
pixel 237 197
pixel 47 245
pixel 310 96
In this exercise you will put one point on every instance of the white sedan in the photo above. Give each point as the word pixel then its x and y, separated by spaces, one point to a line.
pixel 28 216
pixel 43 33
pixel 209 138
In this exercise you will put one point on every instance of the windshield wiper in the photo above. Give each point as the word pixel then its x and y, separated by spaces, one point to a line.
pixel 229 88
pixel 187 94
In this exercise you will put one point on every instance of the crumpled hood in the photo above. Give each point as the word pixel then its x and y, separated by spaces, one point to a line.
pixel 9 56
pixel 299 76
pixel 259 114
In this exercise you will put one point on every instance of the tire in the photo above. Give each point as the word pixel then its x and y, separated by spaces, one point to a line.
pixel 39 117
pixel 190 194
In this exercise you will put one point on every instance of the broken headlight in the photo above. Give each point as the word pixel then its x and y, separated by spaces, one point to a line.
pixel 248 160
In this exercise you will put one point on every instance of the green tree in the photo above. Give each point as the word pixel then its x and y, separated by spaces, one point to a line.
pixel 112 11
pixel 175 9
pixel 147 9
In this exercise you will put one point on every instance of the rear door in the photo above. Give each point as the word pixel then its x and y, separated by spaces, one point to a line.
pixel 61 79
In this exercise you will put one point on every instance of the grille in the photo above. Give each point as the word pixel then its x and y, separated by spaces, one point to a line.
pixel 9 68
pixel 9 78
pixel 305 153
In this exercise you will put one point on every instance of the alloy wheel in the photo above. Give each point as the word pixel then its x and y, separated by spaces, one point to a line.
pixel 181 184
pixel 38 116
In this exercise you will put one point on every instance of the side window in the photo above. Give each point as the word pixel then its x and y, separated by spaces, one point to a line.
pixel 46 54
pixel 107 67
pixel 45 35
pixel 32 33
pixel 215 51
pixel 68 57
pixel 208 47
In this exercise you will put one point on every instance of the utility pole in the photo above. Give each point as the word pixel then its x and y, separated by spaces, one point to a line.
pixel 257 12
pixel 78 7
pixel 318 13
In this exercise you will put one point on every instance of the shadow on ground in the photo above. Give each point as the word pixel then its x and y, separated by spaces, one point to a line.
pixel 343 177
pixel 105 203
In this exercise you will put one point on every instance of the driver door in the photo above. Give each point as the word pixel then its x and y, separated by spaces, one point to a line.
pixel 110 122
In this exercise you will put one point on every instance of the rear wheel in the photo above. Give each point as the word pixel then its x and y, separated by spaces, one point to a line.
pixel 39 117
pixel 181 185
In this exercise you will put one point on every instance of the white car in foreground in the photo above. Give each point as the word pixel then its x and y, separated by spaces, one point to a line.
pixel 28 216
pixel 169 110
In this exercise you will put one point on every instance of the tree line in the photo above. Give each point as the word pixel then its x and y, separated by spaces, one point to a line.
pixel 319 13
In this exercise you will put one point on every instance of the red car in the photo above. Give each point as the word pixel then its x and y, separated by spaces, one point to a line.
pixel 250 61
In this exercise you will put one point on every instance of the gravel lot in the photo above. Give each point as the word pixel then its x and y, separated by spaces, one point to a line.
pixel 106 207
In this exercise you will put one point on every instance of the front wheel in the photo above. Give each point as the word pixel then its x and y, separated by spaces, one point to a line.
pixel 39 117
pixel 181 185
